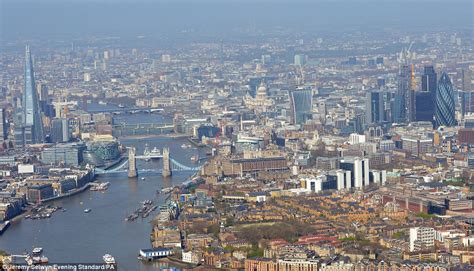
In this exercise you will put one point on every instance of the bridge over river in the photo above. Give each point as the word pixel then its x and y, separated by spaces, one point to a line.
pixel 130 165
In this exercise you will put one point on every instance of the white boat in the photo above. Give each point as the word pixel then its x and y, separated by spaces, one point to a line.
pixel 99 186
pixel 186 146
pixel 167 190
pixel 155 151
pixel 108 259
pixel 143 178
pixel 87 211
pixel 37 251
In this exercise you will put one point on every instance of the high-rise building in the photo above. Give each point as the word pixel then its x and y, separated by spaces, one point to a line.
pixel 445 109
pixel 425 99
pixel 300 60
pixel 301 102
pixel 29 128
pixel 359 168
pixel 59 130
pixel 429 80
pixel 421 238
pixel 42 91
pixel 374 107
pixel 424 106
pixel 466 95
pixel 3 125
pixel 404 100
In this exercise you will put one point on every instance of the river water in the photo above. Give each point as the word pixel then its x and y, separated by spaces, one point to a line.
pixel 77 237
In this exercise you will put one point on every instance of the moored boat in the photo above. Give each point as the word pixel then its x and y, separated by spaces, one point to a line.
pixel 108 259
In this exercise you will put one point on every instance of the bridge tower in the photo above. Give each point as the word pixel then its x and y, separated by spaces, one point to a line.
pixel 132 166
pixel 166 163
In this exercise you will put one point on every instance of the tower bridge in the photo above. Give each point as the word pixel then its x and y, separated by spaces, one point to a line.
pixel 129 166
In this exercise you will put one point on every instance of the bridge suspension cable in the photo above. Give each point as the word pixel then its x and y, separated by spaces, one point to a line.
pixel 122 167
pixel 175 165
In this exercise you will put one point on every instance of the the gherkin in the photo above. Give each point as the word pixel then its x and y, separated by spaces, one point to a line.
pixel 445 107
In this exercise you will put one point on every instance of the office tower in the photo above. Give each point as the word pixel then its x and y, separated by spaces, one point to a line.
pixel 300 60
pixel 445 109
pixel 266 59
pixel 59 130
pixel 43 96
pixel 429 80
pixel 221 53
pixel 466 80
pixel 424 106
pixel 379 60
pixel 359 168
pixel 3 125
pixel 301 102
pixel 425 99
pixel 466 98
pixel 314 184
pixel 29 128
pixel 42 91
pixel 404 100
pixel 374 107
pixel 421 238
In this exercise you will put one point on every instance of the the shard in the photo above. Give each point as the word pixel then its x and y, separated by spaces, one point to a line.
pixel 30 128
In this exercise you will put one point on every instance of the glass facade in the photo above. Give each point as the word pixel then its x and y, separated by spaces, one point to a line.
pixel 405 95
pixel 32 123
pixel 425 99
pixel 445 106
pixel 105 150
pixel 301 105
pixel 424 106
pixel 374 107
pixel 69 154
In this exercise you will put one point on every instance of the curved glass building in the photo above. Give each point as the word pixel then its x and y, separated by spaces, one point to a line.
pixel 301 105
pixel 445 108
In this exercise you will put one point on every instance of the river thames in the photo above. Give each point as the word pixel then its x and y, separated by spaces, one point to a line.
pixel 77 237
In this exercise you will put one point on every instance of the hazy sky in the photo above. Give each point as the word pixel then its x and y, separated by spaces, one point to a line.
pixel 73 18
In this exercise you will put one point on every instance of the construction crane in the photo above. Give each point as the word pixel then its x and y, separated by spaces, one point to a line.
pixel 405 54
pixel 299 75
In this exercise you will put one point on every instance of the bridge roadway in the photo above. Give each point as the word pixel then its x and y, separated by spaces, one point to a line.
pixel 123 167
pixel 151 156
pixel 128 110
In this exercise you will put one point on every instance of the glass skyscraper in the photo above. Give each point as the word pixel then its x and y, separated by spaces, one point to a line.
pixel 425 99
pixel 404 99
pixel 301 105
pixel 374 107
pixel 445 109
pixel 29 128
pixel 429 80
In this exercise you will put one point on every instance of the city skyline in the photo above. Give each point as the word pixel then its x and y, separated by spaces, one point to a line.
pixel 237 135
